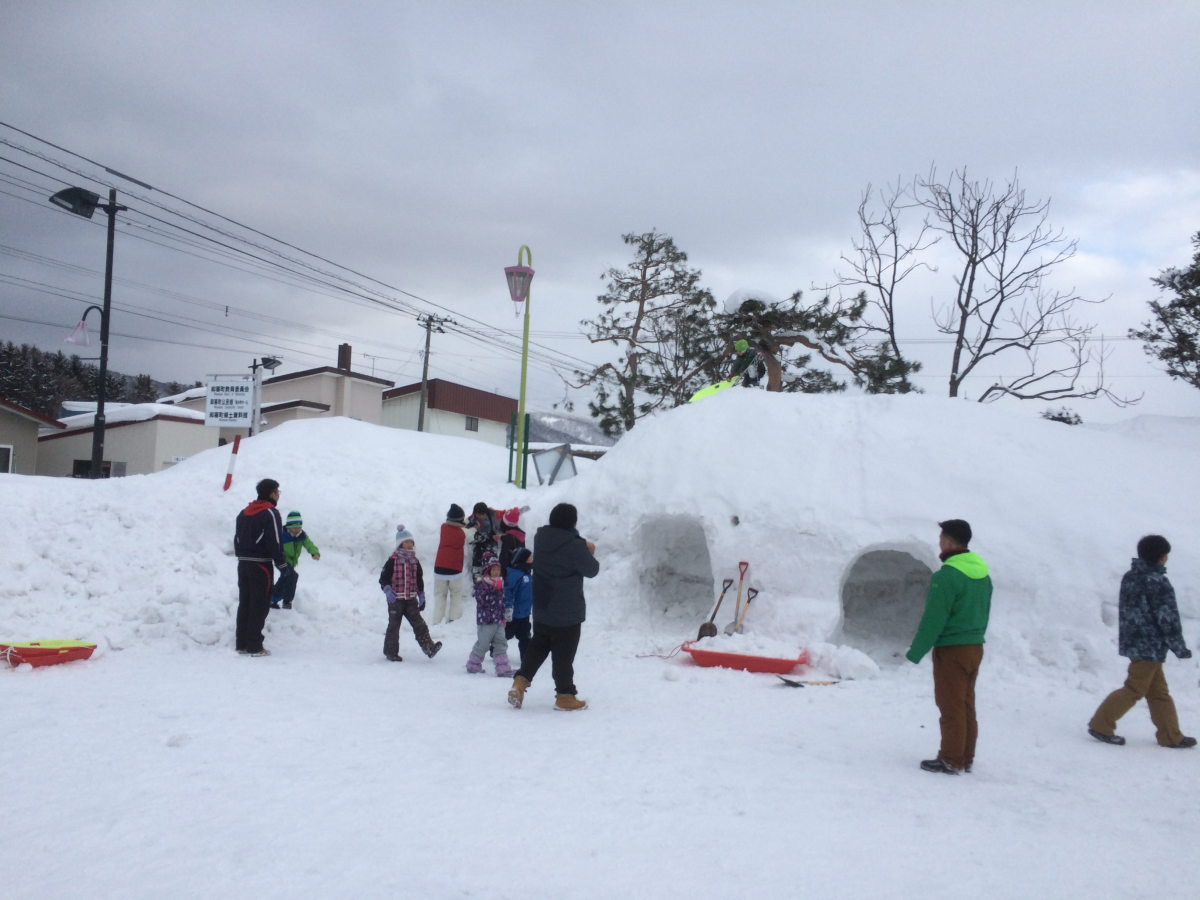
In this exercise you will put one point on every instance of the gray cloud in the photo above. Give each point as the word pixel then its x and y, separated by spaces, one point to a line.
pixel 423 143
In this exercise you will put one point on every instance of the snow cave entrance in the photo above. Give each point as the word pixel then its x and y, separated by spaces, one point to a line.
pixel 882 600
pixel 675 570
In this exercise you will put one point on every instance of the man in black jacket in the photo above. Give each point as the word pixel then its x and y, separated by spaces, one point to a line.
pixel 257 541
pixel 561 560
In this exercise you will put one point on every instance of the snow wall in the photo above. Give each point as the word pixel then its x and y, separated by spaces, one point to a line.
pixel 832 499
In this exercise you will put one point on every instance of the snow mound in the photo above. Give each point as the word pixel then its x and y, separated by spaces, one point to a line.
pixel 149 558
pixel 833 500
pixel 803 487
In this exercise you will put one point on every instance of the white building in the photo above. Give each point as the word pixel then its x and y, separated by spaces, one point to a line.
pixel 309 394
pixel 139 439
pixel 452 409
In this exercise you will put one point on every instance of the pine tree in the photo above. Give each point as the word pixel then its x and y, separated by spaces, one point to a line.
pixel 1173 336
pixel 643 307
pixel 831 330
pixel 142 390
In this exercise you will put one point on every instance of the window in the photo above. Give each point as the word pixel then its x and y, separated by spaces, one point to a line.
pixel 83 468
pixel 6 457
pixel 472 423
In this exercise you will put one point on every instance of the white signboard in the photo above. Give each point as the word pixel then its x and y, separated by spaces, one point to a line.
pixel 230 401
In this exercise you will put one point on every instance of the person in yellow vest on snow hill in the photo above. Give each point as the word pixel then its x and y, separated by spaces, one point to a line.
pixel 953 625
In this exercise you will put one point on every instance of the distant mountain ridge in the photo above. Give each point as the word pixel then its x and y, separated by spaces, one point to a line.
pixel 561 428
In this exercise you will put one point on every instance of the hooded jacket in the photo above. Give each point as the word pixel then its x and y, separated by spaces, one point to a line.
pixel 1148 616
pixel 257 535
pixel 293 544
pixel 518 592
pixel 957 606
pixel 561 560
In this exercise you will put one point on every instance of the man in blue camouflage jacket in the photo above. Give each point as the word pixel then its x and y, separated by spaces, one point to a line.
pixel 1149 627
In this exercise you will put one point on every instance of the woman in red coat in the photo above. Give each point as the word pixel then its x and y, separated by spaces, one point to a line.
pixel 448 566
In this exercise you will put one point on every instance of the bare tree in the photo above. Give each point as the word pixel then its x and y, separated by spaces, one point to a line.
pixel 884 256
pixel 1006 249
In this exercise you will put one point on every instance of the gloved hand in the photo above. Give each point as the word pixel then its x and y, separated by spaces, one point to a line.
pixel 421 601
pixel 1186 654
pixel 389 593
pixel 285 571
pixel 508 616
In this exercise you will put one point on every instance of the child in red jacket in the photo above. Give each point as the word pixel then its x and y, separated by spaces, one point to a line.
pixel 448 566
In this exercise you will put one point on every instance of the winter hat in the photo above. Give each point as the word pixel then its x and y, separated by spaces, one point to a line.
pixel 403 534
pixel 294 520
pixel 512 517
pixel 456 513
pixel 520 558
pixel 489 560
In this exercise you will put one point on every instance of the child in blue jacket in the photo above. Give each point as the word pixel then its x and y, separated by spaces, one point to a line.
pixel 518 597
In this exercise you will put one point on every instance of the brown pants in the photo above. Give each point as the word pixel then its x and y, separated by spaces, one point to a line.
pixel 1145 679
pixel 954 672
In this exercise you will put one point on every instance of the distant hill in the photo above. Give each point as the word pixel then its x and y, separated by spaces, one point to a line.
pixel 561 428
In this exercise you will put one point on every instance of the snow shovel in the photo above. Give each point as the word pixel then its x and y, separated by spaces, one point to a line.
pixel 743 567
pixel 733 628
pixel 708 629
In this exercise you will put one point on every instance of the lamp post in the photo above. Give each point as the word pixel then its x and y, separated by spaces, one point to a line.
pixel 84 203
pixel 519 277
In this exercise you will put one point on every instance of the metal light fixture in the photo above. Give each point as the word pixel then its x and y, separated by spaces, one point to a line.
pixel 270 363
pixel 78 200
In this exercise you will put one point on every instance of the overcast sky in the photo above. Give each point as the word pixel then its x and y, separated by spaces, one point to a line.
pixel 421 144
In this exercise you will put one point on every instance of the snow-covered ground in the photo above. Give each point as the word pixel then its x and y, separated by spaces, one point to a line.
pixel 169 766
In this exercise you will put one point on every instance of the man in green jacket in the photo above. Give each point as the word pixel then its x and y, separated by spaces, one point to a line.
pixel 953 624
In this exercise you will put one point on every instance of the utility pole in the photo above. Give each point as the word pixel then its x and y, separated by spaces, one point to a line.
pixel 431 324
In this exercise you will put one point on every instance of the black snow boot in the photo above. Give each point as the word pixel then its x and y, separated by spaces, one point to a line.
pixel 1184 744
pixel 395 658
pixel 936 765
pixel 1107 738
pixel 428 645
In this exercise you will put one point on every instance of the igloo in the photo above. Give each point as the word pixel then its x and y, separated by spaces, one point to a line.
pixel 834 501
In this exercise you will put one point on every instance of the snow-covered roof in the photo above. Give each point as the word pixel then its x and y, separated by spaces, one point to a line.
pixel 190 394
pixel 89 406
pixel 131 412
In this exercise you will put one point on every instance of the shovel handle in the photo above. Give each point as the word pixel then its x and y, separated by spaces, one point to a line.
pixel 725 586
pixel 751 593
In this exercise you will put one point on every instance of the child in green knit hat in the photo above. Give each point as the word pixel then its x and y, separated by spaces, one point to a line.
pixel 294 538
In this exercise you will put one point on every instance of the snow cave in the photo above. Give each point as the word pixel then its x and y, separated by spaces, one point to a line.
pixel 883 597
pixel 674 571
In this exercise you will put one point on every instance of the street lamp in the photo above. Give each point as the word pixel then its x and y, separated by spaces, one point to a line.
pixel 519 277
pixel 84 203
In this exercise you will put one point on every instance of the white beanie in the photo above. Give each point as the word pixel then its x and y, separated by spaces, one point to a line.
pixel 403 534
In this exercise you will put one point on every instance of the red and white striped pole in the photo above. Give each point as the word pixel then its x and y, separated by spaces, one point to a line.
pixel 237 440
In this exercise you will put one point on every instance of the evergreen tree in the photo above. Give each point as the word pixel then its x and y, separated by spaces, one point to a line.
pixel 644 306
pixel 142 390
pixel 831 330
pixel 1173 336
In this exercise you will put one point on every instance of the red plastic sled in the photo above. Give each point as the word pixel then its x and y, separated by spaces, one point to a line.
pixel 45 653
pixel 745 663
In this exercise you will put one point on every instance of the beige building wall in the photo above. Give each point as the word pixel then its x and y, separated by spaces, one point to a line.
pixel 144 447
pixel 21 434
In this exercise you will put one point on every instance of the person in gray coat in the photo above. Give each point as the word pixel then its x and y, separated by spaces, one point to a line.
pixel 561 560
